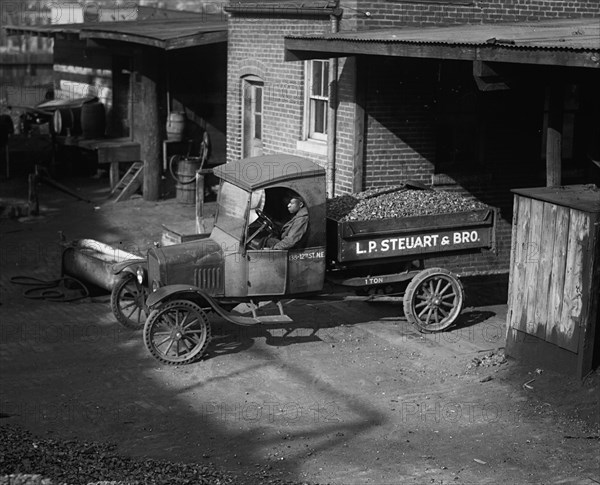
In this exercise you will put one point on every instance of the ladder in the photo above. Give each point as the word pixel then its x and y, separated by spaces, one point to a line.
pixel 129 183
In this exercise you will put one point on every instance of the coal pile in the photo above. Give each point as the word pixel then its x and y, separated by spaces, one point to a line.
pixel 26 460
pixel 398 201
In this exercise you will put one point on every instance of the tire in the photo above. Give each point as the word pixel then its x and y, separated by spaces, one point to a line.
pixel 177 332
pixel 433 300
pixel 128 302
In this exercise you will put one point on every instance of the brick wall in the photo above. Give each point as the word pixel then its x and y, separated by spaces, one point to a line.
pixel 402 122
pixel 400 112
pixel 255 47
pixel 385 14
pixel 399 142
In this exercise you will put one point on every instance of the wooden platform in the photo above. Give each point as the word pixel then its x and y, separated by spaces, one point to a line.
pixel 180 233
pixel 113 151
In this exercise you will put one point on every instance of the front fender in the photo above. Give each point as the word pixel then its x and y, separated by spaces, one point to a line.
pixel 129 266
pixel 167 292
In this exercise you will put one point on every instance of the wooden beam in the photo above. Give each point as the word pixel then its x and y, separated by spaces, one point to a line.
pixel 299 49
pixel 555 100
pixel 123 37
pixel 204 38
pixel 487 77
pixel 200 38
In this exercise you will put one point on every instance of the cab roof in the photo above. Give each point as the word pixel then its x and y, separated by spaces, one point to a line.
pixel 260 172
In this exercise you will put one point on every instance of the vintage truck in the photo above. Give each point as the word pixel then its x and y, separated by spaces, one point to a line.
pixel 188 281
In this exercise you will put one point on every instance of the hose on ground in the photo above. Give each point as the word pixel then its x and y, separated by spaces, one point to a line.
pixel 52 290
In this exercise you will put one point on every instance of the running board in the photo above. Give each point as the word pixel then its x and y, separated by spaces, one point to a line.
pixel 256 318
pixel 280 318
pixel 375 298
pixel 274 319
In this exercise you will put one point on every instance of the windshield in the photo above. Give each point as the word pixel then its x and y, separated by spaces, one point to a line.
pixel 231 210
pixel 256 202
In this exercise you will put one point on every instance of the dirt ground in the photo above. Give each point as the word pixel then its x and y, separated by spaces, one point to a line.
pixel 349 393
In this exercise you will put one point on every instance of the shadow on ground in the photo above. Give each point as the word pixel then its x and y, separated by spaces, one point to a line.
pixel 71 372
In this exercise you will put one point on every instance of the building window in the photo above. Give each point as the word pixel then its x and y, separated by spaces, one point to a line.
pixel 252 116
pixel 317 99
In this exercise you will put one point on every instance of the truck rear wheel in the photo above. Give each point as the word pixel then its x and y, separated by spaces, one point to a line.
pixel 177 332
pixel 433 300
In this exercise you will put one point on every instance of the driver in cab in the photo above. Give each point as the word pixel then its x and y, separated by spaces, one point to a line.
pixel 293 230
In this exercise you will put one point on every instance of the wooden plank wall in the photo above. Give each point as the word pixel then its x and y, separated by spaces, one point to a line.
pixel 519 255
pixel 559 258
pixel 549 283
pixel 569 325
pixel 533 277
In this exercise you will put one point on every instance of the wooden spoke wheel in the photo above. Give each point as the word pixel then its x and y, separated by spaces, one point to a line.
pixel 433 300
pixel 177 332
pixel 128 302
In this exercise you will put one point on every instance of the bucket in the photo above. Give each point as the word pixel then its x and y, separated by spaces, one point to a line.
pixel 185 190
pixel 175 126
pixel 93 120
pixel 67 121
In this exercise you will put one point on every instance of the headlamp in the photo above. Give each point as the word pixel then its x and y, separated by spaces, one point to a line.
pixel 140 275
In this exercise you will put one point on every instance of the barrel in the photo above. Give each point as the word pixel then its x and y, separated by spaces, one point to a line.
pixel 7 128
pixel 67 121
pixel 93 120
pixel 185 189
pixel 175 126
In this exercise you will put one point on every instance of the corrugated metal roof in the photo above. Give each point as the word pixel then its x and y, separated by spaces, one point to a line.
pixel 164 33
pixel 575 34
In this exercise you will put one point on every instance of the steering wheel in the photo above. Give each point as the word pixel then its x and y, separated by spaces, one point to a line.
pixel 267 222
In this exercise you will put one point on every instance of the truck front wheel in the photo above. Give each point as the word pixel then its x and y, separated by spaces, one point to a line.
pixel 177 332
pixel 433 300
pixel 128 302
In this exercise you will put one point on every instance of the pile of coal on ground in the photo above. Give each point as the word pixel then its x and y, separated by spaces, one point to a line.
pixel 27 460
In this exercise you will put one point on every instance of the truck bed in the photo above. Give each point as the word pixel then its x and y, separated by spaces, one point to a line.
pixel 410 236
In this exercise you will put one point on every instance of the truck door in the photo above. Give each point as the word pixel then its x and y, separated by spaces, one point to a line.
pixel 267 272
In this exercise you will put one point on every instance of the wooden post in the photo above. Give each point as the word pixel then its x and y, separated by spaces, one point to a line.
pixel 7 158
pixel 555 100
pixel 200 202
pixel 359 124
pixel 33 207
pixel 149 122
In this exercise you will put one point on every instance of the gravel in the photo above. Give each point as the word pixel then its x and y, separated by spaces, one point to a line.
pixel 26 460
pixel 398 201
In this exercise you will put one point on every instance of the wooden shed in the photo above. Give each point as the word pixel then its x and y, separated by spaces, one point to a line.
pixel 554 287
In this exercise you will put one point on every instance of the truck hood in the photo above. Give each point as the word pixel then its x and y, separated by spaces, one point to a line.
pixel 192 252
pixel 196 263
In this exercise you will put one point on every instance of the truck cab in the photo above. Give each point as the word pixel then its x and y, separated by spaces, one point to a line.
pixel 233 262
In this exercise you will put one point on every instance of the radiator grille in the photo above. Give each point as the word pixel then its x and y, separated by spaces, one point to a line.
pixel 208 278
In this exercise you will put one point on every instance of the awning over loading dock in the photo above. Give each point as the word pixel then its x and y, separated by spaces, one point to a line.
pixel 167 34
pixel 571 42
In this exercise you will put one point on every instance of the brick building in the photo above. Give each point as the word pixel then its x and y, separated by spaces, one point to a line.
pixel 477 97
